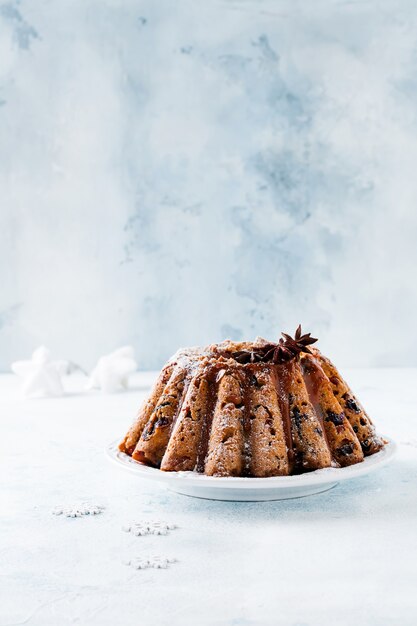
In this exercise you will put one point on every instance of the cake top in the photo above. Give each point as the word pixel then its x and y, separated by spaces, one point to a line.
pixel 246 352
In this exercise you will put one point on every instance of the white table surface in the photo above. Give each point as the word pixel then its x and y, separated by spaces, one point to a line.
pixel 344 557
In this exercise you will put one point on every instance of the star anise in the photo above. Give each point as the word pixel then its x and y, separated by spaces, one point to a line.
pixel 286 349
pixel 249 356
pixel 290 347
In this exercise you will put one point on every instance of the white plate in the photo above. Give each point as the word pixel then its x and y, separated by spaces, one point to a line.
pixel 252 489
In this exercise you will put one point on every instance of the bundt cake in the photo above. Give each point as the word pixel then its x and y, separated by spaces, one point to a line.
pixel 251 409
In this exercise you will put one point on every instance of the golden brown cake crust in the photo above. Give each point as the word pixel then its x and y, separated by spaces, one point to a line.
pixel 226 447
pixel 184 444
pixel 358 418
pixel 341 439
pixel 267 446
pixel 232 409
pixel 155 436
pixel 309 443
pixel 132 437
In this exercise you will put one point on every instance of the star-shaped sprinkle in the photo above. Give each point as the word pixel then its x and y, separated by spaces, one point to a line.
pixel 140 529
pixel 78 510
pixel 151 562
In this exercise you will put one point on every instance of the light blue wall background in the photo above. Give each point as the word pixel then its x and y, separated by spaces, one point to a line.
pixel 175 173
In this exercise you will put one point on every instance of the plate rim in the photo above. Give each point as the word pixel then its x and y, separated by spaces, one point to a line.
pixel 192 478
